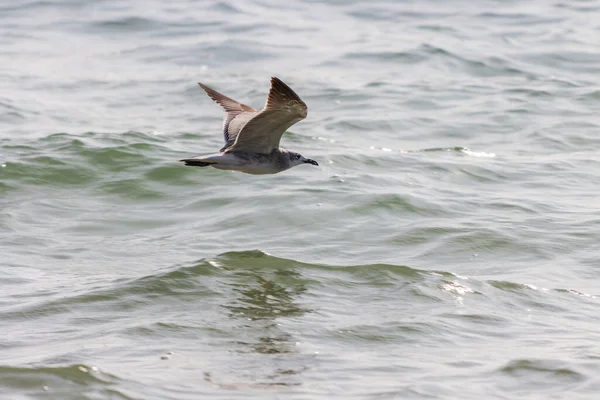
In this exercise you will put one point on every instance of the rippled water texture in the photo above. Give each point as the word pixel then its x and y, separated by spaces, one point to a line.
pixel 446 247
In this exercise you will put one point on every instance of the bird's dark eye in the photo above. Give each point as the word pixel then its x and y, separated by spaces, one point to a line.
pixel 298 156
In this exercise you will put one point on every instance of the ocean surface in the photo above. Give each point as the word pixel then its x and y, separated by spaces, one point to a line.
pixel 447 247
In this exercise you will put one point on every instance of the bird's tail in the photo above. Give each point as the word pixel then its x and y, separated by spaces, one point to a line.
pixel 196 162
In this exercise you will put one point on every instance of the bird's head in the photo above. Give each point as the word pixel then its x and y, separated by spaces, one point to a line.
pixel 297 159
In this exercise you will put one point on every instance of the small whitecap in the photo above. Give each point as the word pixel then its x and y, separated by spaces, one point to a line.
pixel 214 263
pixel 83 369
pixel 460 276
pixel 575 292
pixel 3 165
pixel 457 288
pixel 324 139
pixel 480 154
pixel 533 287
pixel 380 148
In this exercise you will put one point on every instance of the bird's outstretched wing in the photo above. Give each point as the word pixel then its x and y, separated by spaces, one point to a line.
pixel 262 132
pixel 236 114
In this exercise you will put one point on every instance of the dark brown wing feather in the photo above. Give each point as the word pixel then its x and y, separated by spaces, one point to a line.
pixel 262 133
pixel 232 110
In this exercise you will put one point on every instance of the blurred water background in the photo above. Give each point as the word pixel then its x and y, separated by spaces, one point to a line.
pixel 447 247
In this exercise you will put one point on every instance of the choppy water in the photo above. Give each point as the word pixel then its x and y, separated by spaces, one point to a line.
pixel 446 248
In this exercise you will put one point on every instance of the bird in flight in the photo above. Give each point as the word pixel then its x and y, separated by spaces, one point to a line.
pixel 252 136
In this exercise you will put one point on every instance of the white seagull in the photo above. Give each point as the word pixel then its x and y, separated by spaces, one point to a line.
pixel 252 136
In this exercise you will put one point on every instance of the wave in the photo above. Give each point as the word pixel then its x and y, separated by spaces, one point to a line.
pixel 64 382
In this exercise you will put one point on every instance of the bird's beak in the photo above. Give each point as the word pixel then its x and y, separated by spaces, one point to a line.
pixel 313 162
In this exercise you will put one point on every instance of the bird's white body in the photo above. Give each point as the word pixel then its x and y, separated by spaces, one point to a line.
pixel 235 162
pixel 255 163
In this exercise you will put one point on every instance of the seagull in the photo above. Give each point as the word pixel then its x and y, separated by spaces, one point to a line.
pixel 252 136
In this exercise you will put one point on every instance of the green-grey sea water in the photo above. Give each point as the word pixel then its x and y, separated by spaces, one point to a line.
pixel 447 247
